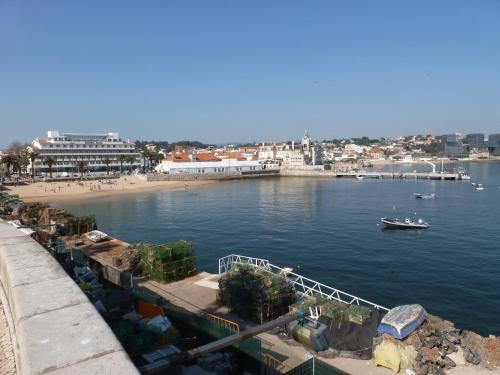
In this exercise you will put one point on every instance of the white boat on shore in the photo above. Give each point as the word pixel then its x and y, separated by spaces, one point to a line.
pixel 404 224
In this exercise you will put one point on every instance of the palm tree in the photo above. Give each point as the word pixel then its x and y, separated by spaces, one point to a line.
pixel 32 156
pixel 8 160
pixel 107 161
pixel 121 158
pixel 146 154
pixel 49 161
pixel 155 157
pixel 81 166
pixel 131 160
pixel 23 161
pixel 16 165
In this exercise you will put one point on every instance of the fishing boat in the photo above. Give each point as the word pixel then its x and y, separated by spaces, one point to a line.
pixel 425 196
pixel 404 224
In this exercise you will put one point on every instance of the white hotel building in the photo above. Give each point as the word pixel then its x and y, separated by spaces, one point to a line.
pixel 69 148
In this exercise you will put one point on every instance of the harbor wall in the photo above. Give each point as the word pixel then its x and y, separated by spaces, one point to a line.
pixel 306 172
pixel 55 329
pixel 208 176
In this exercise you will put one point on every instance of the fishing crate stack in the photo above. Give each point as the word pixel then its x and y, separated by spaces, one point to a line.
pixel 166 262
pixel 255 294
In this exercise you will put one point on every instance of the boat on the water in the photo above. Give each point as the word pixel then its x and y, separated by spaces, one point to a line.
pixel 474 184
pixel 404 224
pixel 425 196
pixel 479 187
pixel 359 177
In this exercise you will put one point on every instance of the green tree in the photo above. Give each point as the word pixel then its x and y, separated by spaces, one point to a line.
pixel 131 160
pixel 145 156
pixel 81 164
pixel 8 160
pixel 122 158
pixel 49 161
pixel 23 161
pixel 16 164
pixel 32 156
pixel 107 161
pixel 154 157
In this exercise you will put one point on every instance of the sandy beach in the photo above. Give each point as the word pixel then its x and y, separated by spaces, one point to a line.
pixel 78 190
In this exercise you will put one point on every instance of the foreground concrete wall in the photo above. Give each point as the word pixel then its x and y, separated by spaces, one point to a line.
pixel 55 328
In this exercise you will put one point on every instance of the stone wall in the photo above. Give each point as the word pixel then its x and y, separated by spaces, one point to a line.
pixel 55 328
pixel 193 176
pixel 306 172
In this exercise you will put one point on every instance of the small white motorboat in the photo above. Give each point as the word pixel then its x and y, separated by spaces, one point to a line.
pixel 425 196
pixel 480 187
pixel 404 224
pixel 359 177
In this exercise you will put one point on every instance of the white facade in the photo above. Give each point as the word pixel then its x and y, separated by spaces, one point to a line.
pixel 67 149
pixel 223 166
pixel 293 157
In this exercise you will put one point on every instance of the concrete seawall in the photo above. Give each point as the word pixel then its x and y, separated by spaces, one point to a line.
pixel 55 329
pixel 209 176
pixel 285 172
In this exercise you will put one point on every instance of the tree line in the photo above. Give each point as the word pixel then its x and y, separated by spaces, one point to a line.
pixel 169 147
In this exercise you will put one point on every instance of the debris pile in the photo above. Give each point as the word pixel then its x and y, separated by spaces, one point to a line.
pixel 218 363
pixel 255 294
pixel 10 204
pixel 433 347
pixel 140 333
pixel 36 213
pixel 129 259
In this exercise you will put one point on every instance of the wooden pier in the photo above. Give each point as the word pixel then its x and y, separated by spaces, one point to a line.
pixel 450 176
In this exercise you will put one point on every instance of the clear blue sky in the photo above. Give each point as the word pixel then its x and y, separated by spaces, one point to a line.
pixel 225 71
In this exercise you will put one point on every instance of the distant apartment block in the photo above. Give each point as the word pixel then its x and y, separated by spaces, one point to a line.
pixel 494 144
pixel 67 149
pixel 476 141
pixel 453 146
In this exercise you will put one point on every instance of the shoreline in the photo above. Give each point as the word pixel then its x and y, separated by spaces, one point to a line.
pixel 74 191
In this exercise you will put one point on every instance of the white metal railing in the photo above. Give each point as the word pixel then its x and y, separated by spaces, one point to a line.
pixel 302 285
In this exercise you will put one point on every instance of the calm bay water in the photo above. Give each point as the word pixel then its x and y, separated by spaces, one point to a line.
pixel 327 230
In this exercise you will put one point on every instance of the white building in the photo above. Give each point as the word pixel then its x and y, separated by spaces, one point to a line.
pixel 223 166
pixel 308 153
pixel 67 149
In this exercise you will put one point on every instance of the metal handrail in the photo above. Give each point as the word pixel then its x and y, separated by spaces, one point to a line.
pixel 270 361
pixel 302 284
pixel 221 321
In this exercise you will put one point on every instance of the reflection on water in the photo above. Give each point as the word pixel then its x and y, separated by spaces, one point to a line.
pixel 328 230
